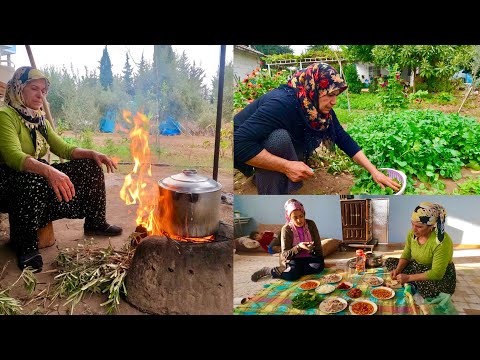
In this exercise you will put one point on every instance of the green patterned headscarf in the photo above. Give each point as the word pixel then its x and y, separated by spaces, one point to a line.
pixel 431 214
pixel 33 119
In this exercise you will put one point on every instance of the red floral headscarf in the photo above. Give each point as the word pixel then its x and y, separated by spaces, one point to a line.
pixel 313 82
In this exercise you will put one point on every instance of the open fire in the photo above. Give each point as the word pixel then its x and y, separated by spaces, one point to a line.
pixel 155 211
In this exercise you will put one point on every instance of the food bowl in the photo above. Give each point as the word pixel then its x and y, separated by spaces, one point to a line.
pixel 397 175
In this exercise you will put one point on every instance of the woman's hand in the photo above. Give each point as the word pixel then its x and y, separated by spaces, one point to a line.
pixel 61 184
pixel 403 278
pixel 383 180
pixel 394 273
pixel 306 245
pixel 104 159
pixel 298 171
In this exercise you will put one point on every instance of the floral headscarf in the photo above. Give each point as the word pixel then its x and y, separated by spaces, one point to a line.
pixel 431 214
pixel 313 82
pixel 290 206
pixel 33 119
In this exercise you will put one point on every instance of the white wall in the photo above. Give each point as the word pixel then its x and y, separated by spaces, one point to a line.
pixel 244 63
pixel 462 221
pixel 268 209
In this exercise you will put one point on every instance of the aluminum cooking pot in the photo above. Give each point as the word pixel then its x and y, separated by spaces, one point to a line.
pixel 195 203
pixel 374 260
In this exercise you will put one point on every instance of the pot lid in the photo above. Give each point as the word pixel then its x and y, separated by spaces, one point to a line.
pixel 188 181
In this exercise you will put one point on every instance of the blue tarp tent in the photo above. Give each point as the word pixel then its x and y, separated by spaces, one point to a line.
pixel 107 123
pixel 169 127
pixel 468 78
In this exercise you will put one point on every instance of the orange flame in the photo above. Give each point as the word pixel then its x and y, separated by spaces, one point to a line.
pixel 120 128
pixel 139 187
pixel 155 210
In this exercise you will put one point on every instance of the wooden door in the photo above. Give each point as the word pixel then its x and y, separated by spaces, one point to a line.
pixel 356 221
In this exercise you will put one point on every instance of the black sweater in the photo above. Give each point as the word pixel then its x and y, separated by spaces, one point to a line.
pixel 279 109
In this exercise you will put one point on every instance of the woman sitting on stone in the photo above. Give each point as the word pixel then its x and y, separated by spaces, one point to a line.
pixel 426 261
pixel 33 192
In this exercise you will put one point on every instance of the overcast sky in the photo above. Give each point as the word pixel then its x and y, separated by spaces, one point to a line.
pixel 298 49
pixel 205 56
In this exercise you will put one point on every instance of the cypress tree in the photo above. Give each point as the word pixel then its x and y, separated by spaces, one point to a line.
pixel 106 75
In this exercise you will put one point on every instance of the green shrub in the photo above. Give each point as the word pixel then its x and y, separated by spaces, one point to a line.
pixel 391 91
pixel 351 77
pixel 445 97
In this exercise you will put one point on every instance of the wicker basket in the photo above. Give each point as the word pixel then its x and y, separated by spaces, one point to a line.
pixel 397 175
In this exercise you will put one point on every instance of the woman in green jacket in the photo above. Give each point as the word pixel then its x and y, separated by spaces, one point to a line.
pixel 427 259
pixel 33 192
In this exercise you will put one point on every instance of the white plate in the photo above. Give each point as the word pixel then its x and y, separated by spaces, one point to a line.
pixel 392 292
pixel 325 303
pixel 307 281
pixel 379 280
pixel 325 289
pixel 393 284
pixel 350 285
pixel 375 307
pixel 332 278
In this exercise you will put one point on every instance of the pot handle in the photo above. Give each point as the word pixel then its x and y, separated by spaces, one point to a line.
pixel 193 197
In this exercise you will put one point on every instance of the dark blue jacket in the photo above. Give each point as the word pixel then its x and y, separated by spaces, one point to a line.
pixel 279 109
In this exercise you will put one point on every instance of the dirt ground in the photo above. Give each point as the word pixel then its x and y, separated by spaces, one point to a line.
pixel 324 183
pixel 69 233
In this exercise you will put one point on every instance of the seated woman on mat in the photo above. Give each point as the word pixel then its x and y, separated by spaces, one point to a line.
pixel 301 252
pixel 33 192
pixel 426 261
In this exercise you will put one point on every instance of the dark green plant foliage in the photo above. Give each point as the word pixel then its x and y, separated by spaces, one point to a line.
pixel 106 75
pixel 351 77
pixel 425 145
pixel 128 77
pixel 273 49
pixel 306 300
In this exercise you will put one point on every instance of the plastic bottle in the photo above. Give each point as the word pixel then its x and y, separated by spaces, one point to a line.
pixel 360 261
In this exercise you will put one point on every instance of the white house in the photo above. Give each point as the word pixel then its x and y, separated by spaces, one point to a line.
pixel 245 60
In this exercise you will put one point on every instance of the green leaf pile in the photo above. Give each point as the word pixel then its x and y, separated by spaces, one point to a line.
pixel 306 300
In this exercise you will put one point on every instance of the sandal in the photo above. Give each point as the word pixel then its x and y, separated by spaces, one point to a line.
pixel 104 230
pixel 32 259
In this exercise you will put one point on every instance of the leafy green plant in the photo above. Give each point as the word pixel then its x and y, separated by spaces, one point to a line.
pixel 226 138
pixel 425 145
pixel 437 188
pixel 391 91
pixel 470 186
pixel 445 97
pixel 86 139
pixel 306 300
